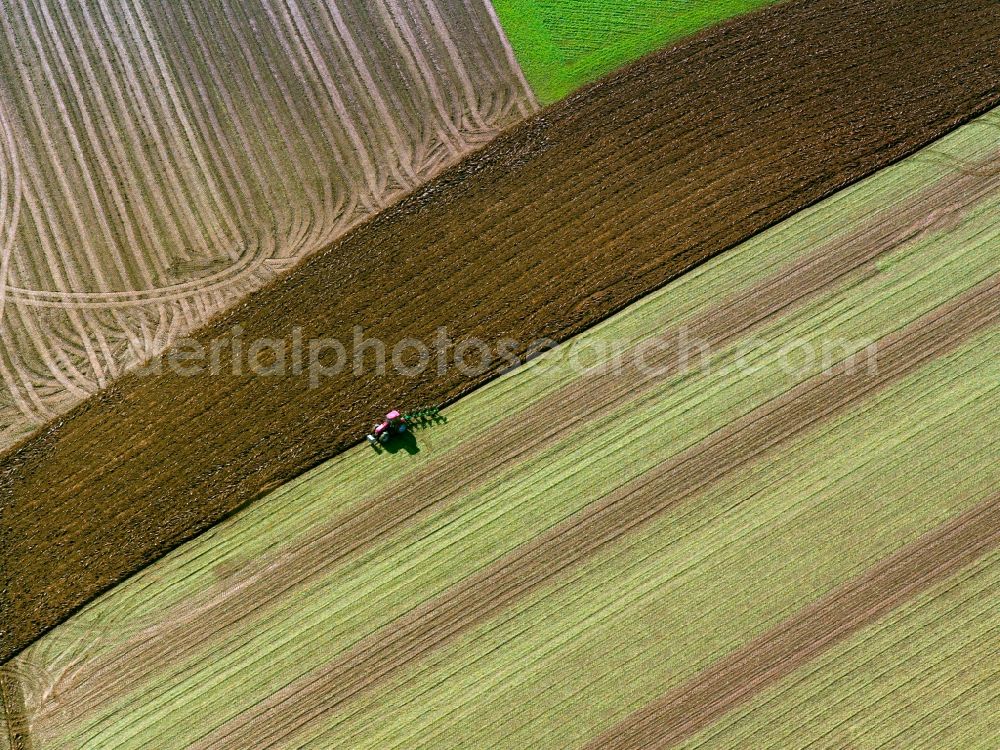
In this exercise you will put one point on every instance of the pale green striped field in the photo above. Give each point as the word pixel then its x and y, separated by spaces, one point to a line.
pixel 926 677
pixel 177 655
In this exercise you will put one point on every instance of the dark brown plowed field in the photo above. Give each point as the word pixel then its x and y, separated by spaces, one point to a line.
pixel 561 222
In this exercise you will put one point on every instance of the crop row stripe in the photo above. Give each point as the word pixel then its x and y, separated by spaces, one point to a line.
pixel 853 606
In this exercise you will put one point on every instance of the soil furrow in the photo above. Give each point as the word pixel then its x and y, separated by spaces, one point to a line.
pixel 523 571
pixel 130 474
pixel 736 679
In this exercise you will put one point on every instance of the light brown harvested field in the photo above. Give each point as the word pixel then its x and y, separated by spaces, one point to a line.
pixel 159 161
pixel 680 149
pixel 13 720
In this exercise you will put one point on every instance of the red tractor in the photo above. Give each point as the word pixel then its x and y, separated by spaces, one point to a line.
pixel 396 424
pixel 393 424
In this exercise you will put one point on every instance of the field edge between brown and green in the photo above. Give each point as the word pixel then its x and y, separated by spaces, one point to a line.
pixel 555 226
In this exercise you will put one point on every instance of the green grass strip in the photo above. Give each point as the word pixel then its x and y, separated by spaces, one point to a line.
pixel 564 44
pixel 647 615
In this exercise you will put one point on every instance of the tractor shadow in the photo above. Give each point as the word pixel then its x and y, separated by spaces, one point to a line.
pixel 405 443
